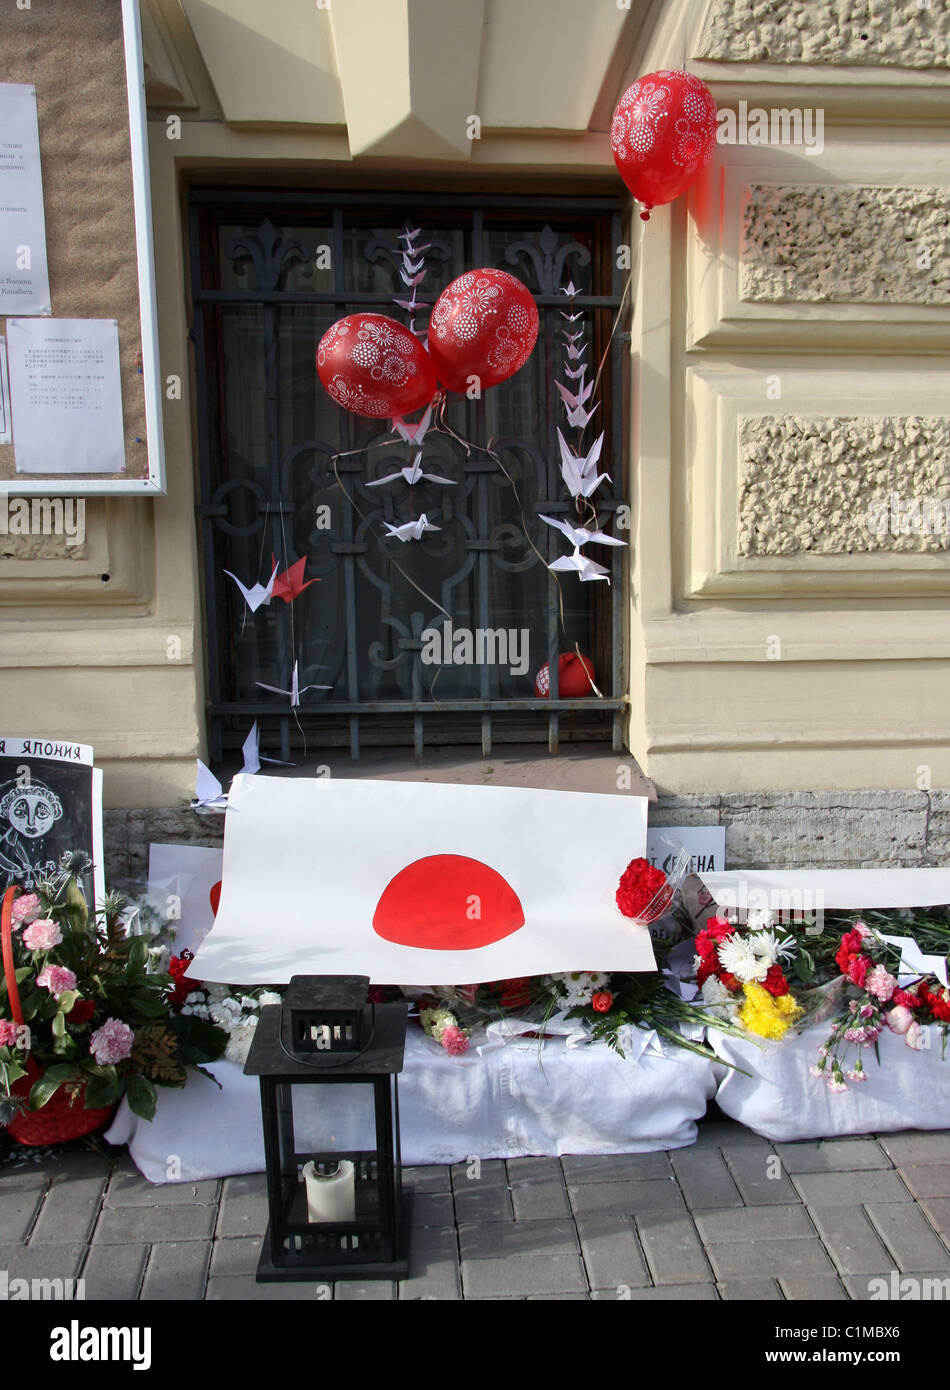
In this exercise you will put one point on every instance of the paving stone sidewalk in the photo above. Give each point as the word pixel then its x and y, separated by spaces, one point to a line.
pixel 733 1217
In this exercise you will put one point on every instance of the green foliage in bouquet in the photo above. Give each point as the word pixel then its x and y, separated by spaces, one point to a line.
pixel 96 1017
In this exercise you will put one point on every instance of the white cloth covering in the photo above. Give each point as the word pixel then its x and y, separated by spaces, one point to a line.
pixel 506 1099
pixel 783 1101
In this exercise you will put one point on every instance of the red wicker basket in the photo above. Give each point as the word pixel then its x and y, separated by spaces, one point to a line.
pixel 60 1119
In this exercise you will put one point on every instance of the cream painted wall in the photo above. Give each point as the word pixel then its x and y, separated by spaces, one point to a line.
pixel 858 696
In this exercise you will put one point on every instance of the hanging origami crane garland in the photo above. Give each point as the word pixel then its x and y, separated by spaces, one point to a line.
pixel 578 470
pixel 286 585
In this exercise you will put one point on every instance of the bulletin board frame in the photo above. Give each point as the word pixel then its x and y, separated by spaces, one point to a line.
pixel 145 458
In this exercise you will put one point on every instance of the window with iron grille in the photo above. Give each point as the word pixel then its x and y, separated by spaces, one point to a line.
pixel 284 472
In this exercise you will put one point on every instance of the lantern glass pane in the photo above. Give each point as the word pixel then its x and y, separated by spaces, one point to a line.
pixel 336 1119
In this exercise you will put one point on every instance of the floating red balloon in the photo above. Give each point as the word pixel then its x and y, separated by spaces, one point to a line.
pixel 575 675
pixel 663 135
pixel 372 365
pixel 483 325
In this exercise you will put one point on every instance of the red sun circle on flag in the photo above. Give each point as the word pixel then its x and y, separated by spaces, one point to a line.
pixel 447 902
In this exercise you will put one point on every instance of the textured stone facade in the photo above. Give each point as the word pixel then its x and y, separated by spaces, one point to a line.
pixel 816 243
pixel 824 830
pixel 848 32
pixel 827 485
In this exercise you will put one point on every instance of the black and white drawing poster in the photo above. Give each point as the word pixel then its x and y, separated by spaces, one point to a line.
pixel 50 805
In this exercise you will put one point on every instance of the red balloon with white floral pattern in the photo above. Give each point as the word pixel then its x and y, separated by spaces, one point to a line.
pixel 483 327
pixel 663 135
pixel 372 365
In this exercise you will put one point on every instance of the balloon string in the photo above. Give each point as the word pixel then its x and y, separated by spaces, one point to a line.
pixel 442 426
pixel 392 559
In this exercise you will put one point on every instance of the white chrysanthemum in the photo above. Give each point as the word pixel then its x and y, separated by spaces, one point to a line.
pixel 717 997
pixel 736 956
pixel 767 946
pixel 758 919
pixel 580 986
pixel 269 996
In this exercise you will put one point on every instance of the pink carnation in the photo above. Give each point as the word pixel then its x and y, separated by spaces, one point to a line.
pixel 880 982
pixel 57 979
pixel 915 1036
pixel 899 1019
pixel 42 935
pixel 454 1040
pixel 112 1042
pixel 862 929
pixel 9 1033
pixel 26 908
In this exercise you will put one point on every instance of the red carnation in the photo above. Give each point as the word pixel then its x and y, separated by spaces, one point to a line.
pixel 183 986
pixel 638 887
pixel 515 994
pixel 937 1000
pixel 716 929
pixel 707 966
pixel 852 944
pixel 858 967
pixel 81 1012
pixel 775 981
pixel 602 1002
pixel 731 981
pixel 907 999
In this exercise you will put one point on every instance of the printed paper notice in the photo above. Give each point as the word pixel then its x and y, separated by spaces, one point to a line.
pixel 24 278
pixel 66 395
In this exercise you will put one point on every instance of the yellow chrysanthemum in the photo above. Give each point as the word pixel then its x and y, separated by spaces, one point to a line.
pixel 767 1015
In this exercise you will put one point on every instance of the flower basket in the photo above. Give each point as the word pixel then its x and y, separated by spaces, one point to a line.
pixel 59 1120
pixel 62 1117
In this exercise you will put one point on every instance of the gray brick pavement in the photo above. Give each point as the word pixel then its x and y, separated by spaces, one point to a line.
pixel 732 1217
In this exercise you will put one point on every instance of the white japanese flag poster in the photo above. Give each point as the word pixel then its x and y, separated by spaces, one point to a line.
pixel 420 883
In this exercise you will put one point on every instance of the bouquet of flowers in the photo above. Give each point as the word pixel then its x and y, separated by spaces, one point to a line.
pixel 83 1011
pixel 234 1009
pixel 874 1000
pixel 739 971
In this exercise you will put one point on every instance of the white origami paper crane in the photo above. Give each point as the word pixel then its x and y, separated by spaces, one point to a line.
pixel 209 792
pixel 295 690
pixel 587 569
pixel 580 535
pixel 580 474
pixel 914 962
pixel 410 530
pixel 413 474
pixel 260 594
pixel 412 434
pixel 574 403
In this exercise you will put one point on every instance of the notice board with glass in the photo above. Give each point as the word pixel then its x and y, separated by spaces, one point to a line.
pixel 80 390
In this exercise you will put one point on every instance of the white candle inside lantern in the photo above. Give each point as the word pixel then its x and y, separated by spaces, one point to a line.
pixel 331 1196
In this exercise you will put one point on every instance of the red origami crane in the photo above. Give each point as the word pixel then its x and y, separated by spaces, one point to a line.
pixel 290 584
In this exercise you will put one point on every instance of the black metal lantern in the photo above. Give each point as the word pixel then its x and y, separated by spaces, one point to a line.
pixel 328 1063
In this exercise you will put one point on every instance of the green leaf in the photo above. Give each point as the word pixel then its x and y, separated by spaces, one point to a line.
pixel 138 955
pixel 59 1024
pixel 10 1072
pixel 49 1083
pixel 198 1039
pixel 104 1090
pixel 141 1096
pixel 66 1000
